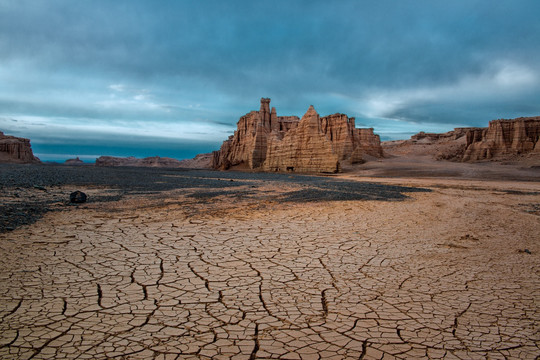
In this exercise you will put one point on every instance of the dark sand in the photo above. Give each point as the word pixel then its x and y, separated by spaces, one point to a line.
pixel 29 191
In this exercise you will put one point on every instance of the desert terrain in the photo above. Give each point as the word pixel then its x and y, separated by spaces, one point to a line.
pixel 374 263
pixel 291 180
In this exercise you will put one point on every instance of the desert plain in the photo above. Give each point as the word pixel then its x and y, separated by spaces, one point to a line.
pixel 392 260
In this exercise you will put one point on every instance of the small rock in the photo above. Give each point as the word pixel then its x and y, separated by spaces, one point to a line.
pixel 77 197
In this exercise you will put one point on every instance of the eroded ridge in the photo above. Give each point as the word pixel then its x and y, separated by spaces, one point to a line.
pixel 338 280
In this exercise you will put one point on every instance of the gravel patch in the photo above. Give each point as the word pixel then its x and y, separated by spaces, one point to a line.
pixel 29 191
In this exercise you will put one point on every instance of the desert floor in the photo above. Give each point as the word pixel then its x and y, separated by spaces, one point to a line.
pixel 245 266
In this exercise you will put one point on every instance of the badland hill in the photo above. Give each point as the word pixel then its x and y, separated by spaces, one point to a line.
pixel 16 150
pixel 313 144
pixel 503 139
pixel 265 141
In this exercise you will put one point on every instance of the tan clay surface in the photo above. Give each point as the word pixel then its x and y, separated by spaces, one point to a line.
pixel 441 274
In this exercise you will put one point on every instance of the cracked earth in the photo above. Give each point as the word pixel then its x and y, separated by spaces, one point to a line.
pixel 442 274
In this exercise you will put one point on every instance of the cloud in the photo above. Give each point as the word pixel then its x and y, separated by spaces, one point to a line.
pixel 182 69
pixel 7 119
pixel 500 82
pixel 117 87
pixel 73 131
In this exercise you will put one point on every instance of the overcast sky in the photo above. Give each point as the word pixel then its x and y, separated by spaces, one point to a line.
pixel 171 78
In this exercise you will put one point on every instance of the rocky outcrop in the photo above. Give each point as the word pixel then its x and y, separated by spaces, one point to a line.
pixel 446 146
pixel 304 149
pixel 247 146
pixel 455 134
pixel 503 138
pixel 75 161
pixel 16 150
pixel 154 161
pixel 201 161
pixel 269 142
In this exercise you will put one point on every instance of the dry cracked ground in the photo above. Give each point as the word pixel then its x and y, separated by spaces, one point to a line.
pixel 452 273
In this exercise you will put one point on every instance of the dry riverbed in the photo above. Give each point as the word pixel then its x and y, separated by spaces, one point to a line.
pixel 208 265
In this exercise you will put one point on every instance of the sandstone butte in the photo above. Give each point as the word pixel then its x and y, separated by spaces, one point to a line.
pixel 16 150
pixel 268 142
pixel 502 138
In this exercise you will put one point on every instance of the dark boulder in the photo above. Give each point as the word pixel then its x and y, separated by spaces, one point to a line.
pixel 77 197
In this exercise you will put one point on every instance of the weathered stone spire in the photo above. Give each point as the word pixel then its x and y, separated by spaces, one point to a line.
pixel 264 113
pixel 274 124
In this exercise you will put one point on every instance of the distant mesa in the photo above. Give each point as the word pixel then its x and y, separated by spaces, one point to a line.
pixel 446 146
pixel 201 161
pixel 503 139
pixel 16 150
pixel 268 142
pixel 313 144
pixel 154 161
pixel 75 161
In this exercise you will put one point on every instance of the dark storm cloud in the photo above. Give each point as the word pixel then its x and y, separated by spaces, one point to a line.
pixel 387 43
pixel 208 62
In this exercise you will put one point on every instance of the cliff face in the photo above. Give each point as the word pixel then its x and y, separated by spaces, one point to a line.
pixel 248 144
pixel 502 138
pixel 269 142
pixel 305 148
pixel 445 146
pixel 16 150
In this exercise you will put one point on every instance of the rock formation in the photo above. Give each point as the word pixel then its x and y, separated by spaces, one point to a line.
pixel 75 161
pixel 201 161
pixel 503 138
pixel 16 150
pixel 446 146
pixel 305 148
pixel 269 142
pixel 155 161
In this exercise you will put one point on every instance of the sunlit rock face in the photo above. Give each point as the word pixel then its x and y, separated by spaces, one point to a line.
pixel 502 138
pixel 269 142
pixel 16 150
pixel 305 148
